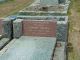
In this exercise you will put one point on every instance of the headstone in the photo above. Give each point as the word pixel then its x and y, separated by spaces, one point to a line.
pixel 42 28
pixel 8 28
pixel 17 28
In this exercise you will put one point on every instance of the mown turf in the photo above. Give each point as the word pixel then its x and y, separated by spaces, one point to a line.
pixel 11 7
pixel 74 36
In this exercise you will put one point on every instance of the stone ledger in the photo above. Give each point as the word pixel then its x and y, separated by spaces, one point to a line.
pixel 30 48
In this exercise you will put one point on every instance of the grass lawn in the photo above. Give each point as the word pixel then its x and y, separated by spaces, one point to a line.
pixel 11 7
pixel 74 36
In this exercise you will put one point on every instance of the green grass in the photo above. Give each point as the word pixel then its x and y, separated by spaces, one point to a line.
pixel 13 7
pixel 18 9
pixel 75 5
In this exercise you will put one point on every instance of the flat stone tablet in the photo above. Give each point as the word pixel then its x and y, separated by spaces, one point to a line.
pixel 17 28
pixel 30 48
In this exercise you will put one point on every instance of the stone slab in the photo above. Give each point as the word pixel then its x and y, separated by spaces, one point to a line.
pixel 62 32
pixel 60 52
pixel 30 48
pixel 7 28
pixel 17 28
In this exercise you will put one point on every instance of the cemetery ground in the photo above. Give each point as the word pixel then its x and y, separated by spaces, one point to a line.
pixel 12 7
pixel 74 30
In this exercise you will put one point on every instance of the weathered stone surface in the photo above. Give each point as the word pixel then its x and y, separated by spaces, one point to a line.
pixel 62 28
pixel 17 28
pixel 60 52
pixel 30 48
pixel 3 42
pixel 7 28
pixel 62 31
pixel 49 2
pixel 42 28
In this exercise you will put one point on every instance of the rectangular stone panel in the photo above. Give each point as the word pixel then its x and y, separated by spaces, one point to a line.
pixel 17 28
pixel 62 31
pixel 30 48
pixel 7 28
pixel 40 28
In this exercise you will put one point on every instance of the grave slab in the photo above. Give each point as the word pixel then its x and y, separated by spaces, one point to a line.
pixel 30 48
